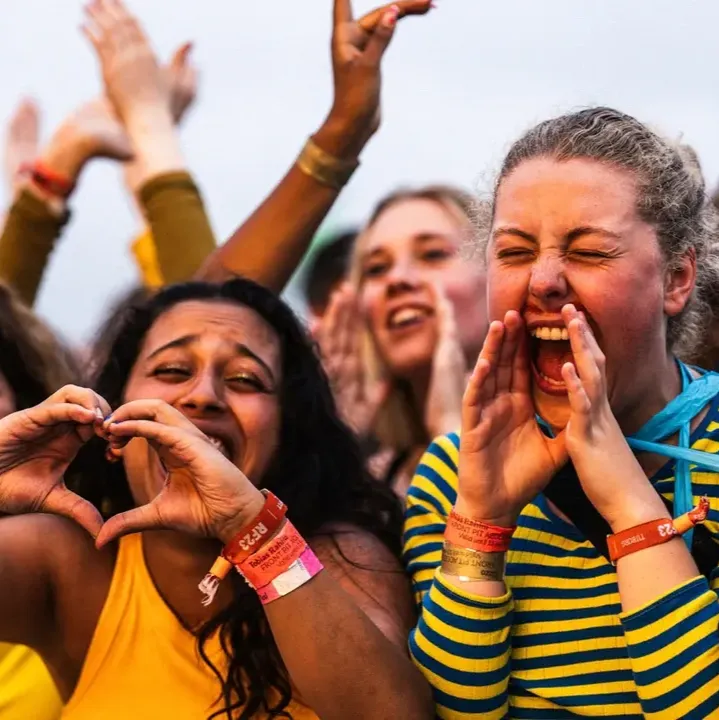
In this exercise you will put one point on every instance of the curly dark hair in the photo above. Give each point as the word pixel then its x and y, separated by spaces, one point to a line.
pixel 33 360
pixel 318 471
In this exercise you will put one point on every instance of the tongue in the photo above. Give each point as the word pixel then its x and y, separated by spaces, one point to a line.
pixel 551 356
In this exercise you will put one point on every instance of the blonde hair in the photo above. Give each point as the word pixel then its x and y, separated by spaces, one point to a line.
pixel 398 425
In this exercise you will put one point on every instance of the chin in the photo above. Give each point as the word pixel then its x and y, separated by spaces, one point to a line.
pixel 553 409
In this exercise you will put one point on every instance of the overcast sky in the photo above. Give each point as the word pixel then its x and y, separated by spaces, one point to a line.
pixel 460 84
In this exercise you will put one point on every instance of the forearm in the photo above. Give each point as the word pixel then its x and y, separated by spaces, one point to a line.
pixel 342 664
pixel 462 644
pixel 31 229
pixel 269 246
pixel 179 224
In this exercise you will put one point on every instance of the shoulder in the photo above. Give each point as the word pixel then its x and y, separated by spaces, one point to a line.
pixel 371 574
pixel 434 486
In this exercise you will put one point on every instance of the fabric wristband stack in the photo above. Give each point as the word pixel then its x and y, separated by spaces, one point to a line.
pixel 269 553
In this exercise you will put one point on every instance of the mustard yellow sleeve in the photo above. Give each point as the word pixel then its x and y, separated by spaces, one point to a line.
pixel 179 226
pixel 145 253
pixel 462 642
pixel 673 646
pixel 27 240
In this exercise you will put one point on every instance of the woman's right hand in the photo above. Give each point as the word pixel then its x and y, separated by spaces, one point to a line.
pixel 36 447
pixel 339 336
pixel 505 459
pixel 357 50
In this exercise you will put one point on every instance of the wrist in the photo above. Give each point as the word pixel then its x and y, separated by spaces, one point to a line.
pixel 636 512
pixel 66 154
pixel 250 509
pixel 343 139
pixel 498 517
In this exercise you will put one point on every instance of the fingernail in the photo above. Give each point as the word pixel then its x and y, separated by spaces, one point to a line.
pixel 390 17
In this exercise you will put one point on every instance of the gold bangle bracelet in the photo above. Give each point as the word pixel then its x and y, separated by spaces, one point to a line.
pixel 469 565
pixel 325 168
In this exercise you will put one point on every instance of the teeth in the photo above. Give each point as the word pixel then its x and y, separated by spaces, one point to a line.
pixel 551 381
pixel 406 315
pixel 219 445
pixel 546 333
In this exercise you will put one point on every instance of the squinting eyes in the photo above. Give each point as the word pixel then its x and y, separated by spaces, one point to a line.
pixel 180 374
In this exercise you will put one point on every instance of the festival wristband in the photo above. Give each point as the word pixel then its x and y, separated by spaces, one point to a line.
pixel 655 532
pixel 326 169
pixel 471 565
pixel 51 182
pixel 466 532
pixel 247 541
pixel 273 558
pixel 296 575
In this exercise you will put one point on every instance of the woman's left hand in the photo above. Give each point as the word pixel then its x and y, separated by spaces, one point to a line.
pixel 204 492
pixel 609 472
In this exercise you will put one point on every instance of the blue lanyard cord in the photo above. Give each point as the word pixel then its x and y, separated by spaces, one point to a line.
pixel 675 418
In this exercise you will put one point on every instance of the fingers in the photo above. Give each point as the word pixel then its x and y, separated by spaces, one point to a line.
pixel 342 12
pixel 154 410
pixel 588 357
pixel 513 328
pixel 490 353
pixel 472 401
pixel 404 8
pixel 58 413
pixel 521 375
pixel 181 56
pixel 81 396
pixel 61 501
pixel 578 399
pixel 381 35
pixel 145 517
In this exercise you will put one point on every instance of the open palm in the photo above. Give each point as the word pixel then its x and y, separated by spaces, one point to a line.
pixel 36 447
pixel 504 457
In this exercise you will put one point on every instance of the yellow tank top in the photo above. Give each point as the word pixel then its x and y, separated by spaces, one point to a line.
pixel 26 688
pixel 142 663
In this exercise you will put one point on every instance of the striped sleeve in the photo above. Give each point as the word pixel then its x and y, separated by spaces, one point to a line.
pixel 674 652
pixel 462 641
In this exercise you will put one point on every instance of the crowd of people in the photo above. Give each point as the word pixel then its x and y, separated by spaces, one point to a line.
pixel 479 480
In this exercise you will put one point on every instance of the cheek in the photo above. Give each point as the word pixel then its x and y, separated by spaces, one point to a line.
pixel 371 306
pixel 506 290
pixel 260 422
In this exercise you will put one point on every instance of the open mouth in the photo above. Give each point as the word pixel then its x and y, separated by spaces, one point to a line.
pixel 549 350
pixel 407 317
pixel 221 445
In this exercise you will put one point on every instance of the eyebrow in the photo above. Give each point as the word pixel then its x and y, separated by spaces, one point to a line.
pixel 420 238
pixel 570 237
pixel 240 349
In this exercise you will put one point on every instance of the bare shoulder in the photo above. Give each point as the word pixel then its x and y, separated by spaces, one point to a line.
pixel 372 574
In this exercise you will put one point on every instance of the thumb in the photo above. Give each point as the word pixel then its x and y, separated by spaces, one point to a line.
pixel 180 56
pixel 132 521
pixel 62 501
pixel 381 36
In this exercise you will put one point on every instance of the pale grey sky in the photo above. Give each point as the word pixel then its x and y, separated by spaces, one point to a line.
pixel 460 84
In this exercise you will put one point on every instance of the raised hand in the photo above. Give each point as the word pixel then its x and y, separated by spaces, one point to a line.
pixel 36 447
pixel 504 457
pixel 609 472
pixel 357 50
pixel 443 411
pixel 204 493
pixel 339 337
pixel 134 81
pixel 22 140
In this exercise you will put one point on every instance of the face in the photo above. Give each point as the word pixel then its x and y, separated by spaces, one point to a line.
pixel 7 398
pixel 568 232
pixel 415 245
pixel 219 364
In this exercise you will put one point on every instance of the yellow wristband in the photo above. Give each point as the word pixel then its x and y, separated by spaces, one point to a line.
pixel 325 168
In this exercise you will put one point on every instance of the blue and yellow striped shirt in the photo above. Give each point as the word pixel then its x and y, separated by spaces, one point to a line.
pixel 557 644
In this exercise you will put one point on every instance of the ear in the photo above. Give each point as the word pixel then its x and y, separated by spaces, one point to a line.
pixel 679 283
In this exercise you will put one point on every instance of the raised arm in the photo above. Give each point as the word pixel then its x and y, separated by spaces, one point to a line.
pixel 43 190
pixel 270 244
pixel 148 102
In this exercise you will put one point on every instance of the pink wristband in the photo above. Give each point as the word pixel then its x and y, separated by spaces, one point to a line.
pixel 300 572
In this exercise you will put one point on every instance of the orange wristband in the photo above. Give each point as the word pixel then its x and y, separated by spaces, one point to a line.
pixel 466 532
pixel 655 532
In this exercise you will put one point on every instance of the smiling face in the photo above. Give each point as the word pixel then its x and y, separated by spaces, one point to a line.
pixel 219 364
pixel 569 232
pixel 413 245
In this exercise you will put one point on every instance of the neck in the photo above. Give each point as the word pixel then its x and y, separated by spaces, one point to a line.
pixel 177 562
pixel 660 387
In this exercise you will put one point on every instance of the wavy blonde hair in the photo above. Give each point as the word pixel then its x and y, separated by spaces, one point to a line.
pixel 399 424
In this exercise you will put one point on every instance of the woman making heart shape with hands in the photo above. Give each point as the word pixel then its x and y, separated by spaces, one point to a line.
pixel 538 542
pixel 216 392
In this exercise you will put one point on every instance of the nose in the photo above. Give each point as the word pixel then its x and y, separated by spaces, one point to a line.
pixel 204 396
pixel 547 281
pixel 402 278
